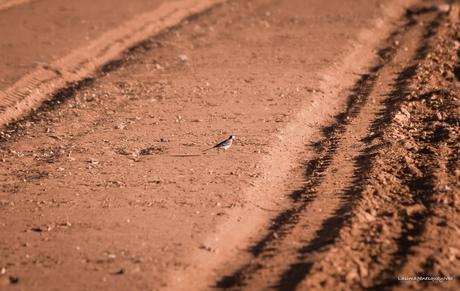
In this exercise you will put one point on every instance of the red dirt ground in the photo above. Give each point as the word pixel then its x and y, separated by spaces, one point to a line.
pixel 37 33
pixel 344 173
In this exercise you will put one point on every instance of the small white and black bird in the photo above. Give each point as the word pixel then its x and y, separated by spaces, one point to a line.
pixel 223 145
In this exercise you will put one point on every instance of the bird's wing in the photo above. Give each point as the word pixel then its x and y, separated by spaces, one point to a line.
pixel 221 143
pixel 217 145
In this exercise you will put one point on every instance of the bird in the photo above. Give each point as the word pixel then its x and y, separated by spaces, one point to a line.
pixel 223 145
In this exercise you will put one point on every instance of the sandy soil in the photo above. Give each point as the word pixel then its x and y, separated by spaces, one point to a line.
pixel 344 173
pixel 35 34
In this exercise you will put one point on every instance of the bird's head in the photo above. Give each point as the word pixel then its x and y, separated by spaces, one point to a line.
pixel 232 137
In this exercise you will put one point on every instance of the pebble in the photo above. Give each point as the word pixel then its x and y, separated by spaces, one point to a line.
pixel 120 126
pixel 446 188
pixel 401 118
pixel 365 216
pixel 183 58
pixel 443 8
pixel 207 248
pixel 352 275
pixel 453 254
pixel 415 209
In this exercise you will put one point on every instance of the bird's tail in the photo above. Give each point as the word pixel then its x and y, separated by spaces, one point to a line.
pixel 208 149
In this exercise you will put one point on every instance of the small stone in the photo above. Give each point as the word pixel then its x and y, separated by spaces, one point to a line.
pixel 65 224
pixel 400 118
pixel 444 8
pixel 183 58
pixel 446 188
pixel 439 116
pixel 415 209
pixel 93 161
pixel 120 126
pixel 453 254
pixel 405 112
pixel 265 23
pixel 363 272
pixel 206 248
pixel 367 216
pixel 352 275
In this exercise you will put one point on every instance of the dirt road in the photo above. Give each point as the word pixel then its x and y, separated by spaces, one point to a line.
pixel 344 173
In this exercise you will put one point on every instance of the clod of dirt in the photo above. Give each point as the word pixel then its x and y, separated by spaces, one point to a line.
pixel 120 126
pixel 65 224
pixel 151 150
pixel 36 229
pixel 207 248
pixel 120 271
pixel 41 228
pixel 93 161
pixel 115 184
pixel 13 279
pixel 415 209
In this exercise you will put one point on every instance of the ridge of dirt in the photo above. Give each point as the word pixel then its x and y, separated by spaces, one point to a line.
pixel 5 4
pixel 409 209
pixel 37 33
pixel 47 80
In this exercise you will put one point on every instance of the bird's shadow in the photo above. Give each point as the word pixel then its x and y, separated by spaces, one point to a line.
pixel 186 155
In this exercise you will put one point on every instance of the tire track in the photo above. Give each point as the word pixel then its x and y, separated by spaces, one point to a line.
pixel 420 184
pixel 435 248
pixel 273 262
pixel 290 222
pixel 372 257
pixel 41 84
pixel 411 224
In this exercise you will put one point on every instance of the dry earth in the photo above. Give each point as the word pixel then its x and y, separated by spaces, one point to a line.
pixel 344 174
pixel 35 34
